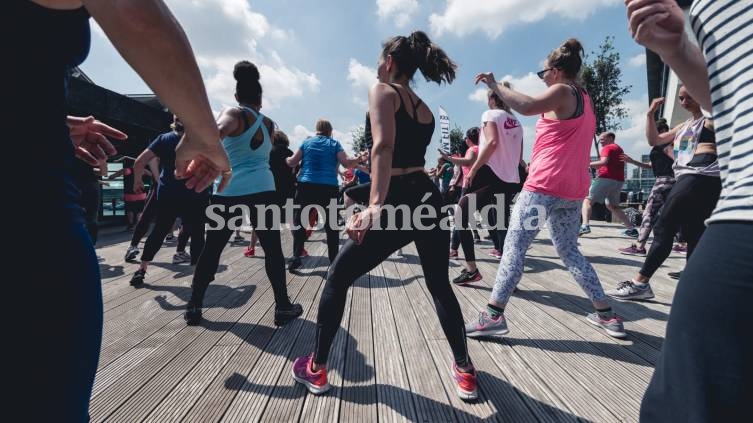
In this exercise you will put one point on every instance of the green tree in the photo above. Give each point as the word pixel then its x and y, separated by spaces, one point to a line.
pixel 457 140
pixel 602 78
pixel 359 139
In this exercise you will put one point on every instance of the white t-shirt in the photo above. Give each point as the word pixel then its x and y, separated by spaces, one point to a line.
pixel 506 157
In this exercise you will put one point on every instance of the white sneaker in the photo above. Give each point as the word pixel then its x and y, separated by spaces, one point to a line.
pixel 181 257
pixel 131 253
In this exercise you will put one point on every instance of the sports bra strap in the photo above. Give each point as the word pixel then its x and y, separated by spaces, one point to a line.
pixel 402 103
pixel 255 127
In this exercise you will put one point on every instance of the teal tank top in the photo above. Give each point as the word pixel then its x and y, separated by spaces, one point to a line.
pixel 251 172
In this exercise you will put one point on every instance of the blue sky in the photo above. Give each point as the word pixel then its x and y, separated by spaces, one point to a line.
pixel 318 59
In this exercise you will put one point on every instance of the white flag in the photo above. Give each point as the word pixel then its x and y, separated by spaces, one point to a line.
pixel 444 129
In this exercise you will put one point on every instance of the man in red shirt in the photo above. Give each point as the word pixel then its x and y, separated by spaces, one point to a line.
pixel 608 184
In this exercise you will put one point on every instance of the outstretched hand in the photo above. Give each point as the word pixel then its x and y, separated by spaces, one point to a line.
pixel 487 78
pixel 658 25
pixel 201 163
pixel 360 223
pixel 89 137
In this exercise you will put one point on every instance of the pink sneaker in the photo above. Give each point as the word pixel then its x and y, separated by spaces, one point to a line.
pixel 633 251
pixel 495 253
pixel 679 248
pixel 315 382
pixel 465 382
pixel 453 254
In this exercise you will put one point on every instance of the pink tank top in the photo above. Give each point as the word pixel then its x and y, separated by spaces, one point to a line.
pixel 467 169
pixel 561 155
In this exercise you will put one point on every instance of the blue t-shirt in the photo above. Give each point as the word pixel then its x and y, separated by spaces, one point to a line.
pixel 362 176
pixel 320 162
pixel 164 148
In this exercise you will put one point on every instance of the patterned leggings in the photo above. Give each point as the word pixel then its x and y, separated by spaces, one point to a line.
pixel 654 203
pixel 563 218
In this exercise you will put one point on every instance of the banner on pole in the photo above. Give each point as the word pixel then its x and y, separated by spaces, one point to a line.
pixel 444 129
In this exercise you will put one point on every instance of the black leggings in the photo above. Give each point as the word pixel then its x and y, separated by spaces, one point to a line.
pixel 320 195
pixel 147 216
pixel 192 211
pixel 269 238
pixel 356 260
pixel 90 197
pixel 485 186
pixel 688 205
pixel 705 372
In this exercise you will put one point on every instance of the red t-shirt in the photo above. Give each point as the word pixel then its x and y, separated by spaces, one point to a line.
pixel 615 168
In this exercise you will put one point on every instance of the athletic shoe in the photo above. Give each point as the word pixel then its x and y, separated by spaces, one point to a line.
pixel 674 275
pixel 485 325
pixel 294 263
pixel 315 382
pixel 181 257
pixel 630 290
pixel 495 253
pixel 465 382
pixel 584 229
pixel 453 254
pixel 679 248
pixel 138 278
pixel 630 233
pixel 250 252
pixel 613 326
pixel 633 251
pixel 238 238
pixel 192 315
pixel 170 237
pixel 131 253
pixel 467 277
pixel 283 316
pixel 477 239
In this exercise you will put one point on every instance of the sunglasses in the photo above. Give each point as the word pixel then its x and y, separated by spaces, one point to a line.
pixel 541 73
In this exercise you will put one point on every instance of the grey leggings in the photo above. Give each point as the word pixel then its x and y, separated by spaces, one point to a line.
pixel 563 218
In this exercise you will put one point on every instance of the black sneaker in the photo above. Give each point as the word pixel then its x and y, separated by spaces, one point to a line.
pixel 467 277
pixel 674 275
pixel 138 278
pixel 192 315
pixel 283 316
pixel 294 264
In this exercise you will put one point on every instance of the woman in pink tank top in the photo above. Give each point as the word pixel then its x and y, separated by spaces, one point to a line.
pixel 556 185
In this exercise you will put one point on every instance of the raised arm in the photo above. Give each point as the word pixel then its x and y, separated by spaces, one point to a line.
pixel 652 134
pixel 349 162
pixel 551 100
pixel 659 25
pixel 150 39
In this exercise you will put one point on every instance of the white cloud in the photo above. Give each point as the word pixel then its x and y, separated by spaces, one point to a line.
pixel 638 60
pixel 361 76
pixel 529 84
pixel 463 17
pixel 401 10
pixel 632 138
pixel 241 30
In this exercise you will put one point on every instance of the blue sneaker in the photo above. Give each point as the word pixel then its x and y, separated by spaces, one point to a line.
pixel 584 229
pixel 630 233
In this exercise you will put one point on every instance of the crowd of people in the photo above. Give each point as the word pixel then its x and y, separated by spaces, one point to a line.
pixel 704 190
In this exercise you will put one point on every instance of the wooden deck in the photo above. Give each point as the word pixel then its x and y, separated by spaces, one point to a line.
pixel 390 361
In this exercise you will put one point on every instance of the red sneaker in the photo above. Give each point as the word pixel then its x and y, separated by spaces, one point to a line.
pixel 453 253
pixel 315 382
pixel 250 252
pixel 467 387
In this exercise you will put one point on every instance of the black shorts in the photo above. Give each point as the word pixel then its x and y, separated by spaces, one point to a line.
pixel 134 206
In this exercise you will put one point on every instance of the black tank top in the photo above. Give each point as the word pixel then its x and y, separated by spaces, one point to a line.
pixel 411 136
pixel 661 163
pixel 45 45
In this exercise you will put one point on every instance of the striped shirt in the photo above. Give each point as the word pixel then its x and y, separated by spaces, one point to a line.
pixel 724 31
